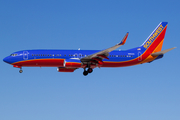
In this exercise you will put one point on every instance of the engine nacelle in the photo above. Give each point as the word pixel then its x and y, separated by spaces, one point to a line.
pixel 72 63
pixel 65 69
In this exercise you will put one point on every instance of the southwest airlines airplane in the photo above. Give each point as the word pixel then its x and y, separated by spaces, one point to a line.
pixel 70 60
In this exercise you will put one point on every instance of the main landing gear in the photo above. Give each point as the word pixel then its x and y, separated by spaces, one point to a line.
pixel 89 70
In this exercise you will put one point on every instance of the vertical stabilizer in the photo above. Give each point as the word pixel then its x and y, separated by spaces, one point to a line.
pixel 155 41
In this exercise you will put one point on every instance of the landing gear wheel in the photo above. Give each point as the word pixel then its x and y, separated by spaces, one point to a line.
pixel 20 71
pixel 90 70
pixel 85 73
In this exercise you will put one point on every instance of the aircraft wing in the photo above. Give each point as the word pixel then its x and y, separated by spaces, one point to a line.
pixel 97 57
pixel 162 52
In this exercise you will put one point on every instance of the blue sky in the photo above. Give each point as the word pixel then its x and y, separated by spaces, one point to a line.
pixel 143 92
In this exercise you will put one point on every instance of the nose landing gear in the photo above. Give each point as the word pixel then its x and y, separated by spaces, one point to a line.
pixel 20 71
pixel 16 66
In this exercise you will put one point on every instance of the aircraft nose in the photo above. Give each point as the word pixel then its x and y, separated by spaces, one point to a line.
pixel 7 60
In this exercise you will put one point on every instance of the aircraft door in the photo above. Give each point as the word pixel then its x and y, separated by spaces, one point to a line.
pixel 25 55
pixel 139 56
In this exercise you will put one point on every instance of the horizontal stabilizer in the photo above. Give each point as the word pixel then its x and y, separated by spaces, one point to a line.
pixel 162 52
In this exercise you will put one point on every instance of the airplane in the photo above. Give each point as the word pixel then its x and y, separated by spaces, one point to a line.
pixel 70 60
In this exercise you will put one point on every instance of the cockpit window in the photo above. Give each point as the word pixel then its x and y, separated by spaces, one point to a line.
pixel 13 55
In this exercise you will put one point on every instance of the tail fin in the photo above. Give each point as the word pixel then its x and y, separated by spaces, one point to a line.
pixel 155 41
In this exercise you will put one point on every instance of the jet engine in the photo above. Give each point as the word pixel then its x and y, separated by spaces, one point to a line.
pixel 72 63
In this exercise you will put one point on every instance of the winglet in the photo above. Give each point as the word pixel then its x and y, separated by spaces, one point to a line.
pixel 162 52
pixel 124 39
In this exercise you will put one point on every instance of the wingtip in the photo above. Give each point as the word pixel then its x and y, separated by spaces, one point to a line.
pixel 124 39
pixel 127 33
